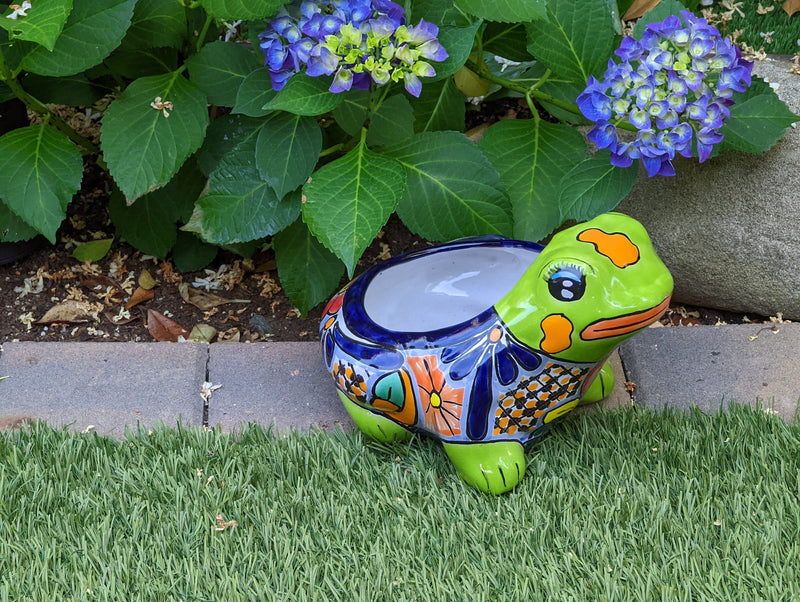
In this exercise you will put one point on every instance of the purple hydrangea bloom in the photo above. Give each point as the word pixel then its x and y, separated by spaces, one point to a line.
pixel 674 85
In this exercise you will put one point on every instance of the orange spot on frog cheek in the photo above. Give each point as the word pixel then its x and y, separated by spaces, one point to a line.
pixel 494 336
pixel 617 247
pixel 557 330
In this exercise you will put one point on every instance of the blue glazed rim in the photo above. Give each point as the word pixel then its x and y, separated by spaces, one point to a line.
pixel 358 322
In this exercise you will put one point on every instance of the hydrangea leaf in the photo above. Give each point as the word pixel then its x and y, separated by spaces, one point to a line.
pixel 287 150
pixel 309 273
pixel 452 190
pixel 577 40
pixel 458 42
pixel 253 93
pixel 155 24
pixel 144 148
pixel 532 157
pixel 134 64
pixel 190 253
pixel 594 186
pixel 393 122
pixel 223 135
pixel 349 200
pixel 94 28
pixel 440 106
pixel 507 40
pixel 12 227
pixel 304 95
pixel 220 68
pixel 73 90
pixel 757 123
pixel 92 251
pixel 352 112
pixel 40 170
pixel 231 10
pixel 5 93
pixel 42 25
pixel 507 11
pixel 238 205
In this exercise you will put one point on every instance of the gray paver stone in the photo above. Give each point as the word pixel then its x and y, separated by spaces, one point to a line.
pixel 712 366
pixel 284 384
pixel 102 385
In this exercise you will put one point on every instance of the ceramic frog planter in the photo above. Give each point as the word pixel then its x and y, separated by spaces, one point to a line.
pixel 485 342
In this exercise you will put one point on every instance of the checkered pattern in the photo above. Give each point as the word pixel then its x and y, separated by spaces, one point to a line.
pixel 349 382
pixel 521 409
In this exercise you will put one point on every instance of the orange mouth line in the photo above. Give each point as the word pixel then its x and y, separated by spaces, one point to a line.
pixel 603 329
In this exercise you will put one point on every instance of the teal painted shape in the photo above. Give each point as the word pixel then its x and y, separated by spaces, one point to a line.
pixel 389 387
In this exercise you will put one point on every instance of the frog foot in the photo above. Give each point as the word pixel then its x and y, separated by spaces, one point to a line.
pixel 490 467
pixel 602 385
pixel 374 425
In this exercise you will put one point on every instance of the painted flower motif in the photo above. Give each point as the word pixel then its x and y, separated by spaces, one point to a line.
pixel 673 85
pixel 441 403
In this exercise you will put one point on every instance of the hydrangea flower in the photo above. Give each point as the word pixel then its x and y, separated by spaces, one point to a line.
pixel 358 42
pixel 674 86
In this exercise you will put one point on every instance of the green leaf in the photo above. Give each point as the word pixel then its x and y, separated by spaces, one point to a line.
pixel 577 40
pixel 93 250
pixel 532 157
pixel 142 147
pixel 40 170
pixel 230 10
pixel 508 41
pixel 458 42
pixel 73 90
pixel 309 273
pixel 42 24
pixel 661 11
pixel 238 205
pixel 393 122
pixel 253 93
pixel 223 135
pixel 5 93
pixel 756 124
pixel 149 224
pixel 452 189
pixel 352 112
pixel 350 199
pixel 508 11
pixel 191 254
pixel 94 28
pixel 12 227
pixel 594 186
pixel 156 24
pixel 134 64
pixel 441 12
pixel 220 68
pixel 440 106
pixel 287 150
pixel 304 95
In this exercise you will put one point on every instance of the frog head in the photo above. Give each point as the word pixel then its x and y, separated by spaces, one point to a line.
pixel 593 286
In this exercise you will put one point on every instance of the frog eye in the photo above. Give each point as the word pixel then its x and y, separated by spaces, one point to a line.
pixel 567 283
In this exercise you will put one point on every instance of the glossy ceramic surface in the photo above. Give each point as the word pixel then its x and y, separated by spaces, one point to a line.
pixel 484 342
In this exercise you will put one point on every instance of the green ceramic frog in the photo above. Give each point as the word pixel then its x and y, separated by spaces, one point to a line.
pixel 484 342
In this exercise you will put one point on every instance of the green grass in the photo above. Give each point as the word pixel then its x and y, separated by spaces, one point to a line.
pixel 615 506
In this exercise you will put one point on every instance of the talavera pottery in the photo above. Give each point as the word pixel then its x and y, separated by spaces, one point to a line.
pixel 484 342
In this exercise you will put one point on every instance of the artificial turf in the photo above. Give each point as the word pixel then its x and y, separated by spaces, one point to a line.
pixel 629 505
pixel 784 30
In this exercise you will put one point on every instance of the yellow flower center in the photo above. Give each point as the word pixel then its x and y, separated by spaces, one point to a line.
pixel 436 401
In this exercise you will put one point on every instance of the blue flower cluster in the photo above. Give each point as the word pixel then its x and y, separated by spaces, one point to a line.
pixel 677 81
pixel 356 41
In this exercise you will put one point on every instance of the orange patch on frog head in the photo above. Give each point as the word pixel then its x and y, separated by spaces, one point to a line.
pixel 617 247
pixel 557 330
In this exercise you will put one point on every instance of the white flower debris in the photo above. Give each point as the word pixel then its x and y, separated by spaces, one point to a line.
pixel 230 30
pixel 123 314
pixel 767 35
pixel 162 105
pixel 475 100
pixel 27 319
pixel 506 63
pixel 32 285
pixel 19 10
pixel 207 390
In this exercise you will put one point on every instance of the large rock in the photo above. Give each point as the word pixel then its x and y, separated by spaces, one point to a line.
pixel 729 229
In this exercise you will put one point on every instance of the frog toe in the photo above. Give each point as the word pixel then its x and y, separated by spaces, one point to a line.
pixel 494 467
pixel 374 425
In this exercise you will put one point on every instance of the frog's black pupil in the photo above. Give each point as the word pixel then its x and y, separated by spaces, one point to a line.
pixel 567 284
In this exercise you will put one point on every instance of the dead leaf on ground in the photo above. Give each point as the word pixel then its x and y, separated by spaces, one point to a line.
pixel 202 333
pixel 163 329
pixel 146 280
pixel 72 312
pixel 223 524
pixel 91 282
pixel 140 295
pixel 638 8
pixel 232 335
pixel 202 299
pixel 119 319
pixel 267 266
pixel 791 7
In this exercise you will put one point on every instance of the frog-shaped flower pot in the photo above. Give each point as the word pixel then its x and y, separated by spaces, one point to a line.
pixel 485 342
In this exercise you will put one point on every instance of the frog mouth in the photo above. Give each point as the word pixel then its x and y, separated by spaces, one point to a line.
pixel 613 327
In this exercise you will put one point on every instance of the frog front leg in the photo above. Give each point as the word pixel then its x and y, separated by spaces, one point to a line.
pixel 602 385
pixel 374 425
pixel 490 467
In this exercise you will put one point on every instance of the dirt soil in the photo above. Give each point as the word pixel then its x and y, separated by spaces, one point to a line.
pixel 90 300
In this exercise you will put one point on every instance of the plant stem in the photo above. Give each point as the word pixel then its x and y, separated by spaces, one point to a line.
pixel 331 149
pixel 37 106
pixel 203 32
